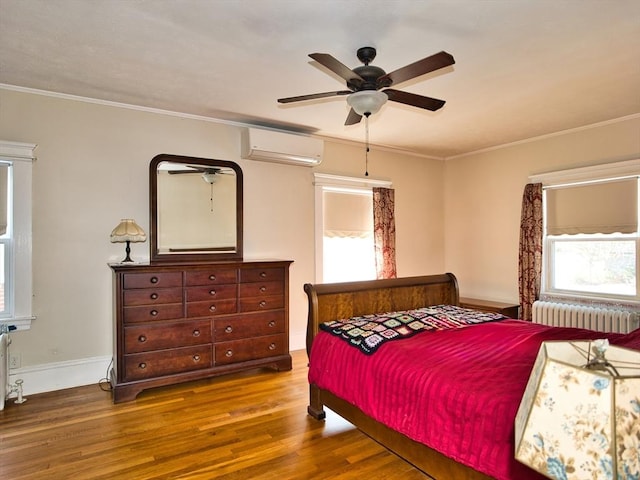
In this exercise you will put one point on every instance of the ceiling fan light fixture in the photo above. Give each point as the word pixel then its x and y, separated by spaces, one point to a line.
pixel 209 177
pixel 367 102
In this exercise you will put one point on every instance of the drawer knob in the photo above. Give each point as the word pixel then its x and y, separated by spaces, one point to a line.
pixel 196 358
pixel 263 304
pixel 154 280
pixel 212 308
pixel 154 296
pixel 212 277
pixel 228 329
pixel 142 339
pixel 272 323
pixel 153 313
pixel 229 353
pixel 272 346
pixel 263 274
pixel 263 289
pixel 212 292
pixel 196 333
pixel 142 365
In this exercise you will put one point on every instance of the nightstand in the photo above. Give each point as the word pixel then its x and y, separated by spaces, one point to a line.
pixel 507 309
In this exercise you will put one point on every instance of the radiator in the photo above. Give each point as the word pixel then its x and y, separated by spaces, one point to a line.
pixel 601 319
pixel 5 387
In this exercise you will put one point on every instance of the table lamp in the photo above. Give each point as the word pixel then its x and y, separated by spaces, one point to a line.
pixel 128 231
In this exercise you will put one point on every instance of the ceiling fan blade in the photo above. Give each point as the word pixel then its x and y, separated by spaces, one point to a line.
pixel 414 100
pixel 353 118
pixel 426 65
pixel 338 68
pixel 313 96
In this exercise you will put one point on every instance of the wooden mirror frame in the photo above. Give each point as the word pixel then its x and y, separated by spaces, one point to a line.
pixel 200 255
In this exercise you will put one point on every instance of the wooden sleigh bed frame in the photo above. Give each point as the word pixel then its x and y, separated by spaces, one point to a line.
pixel 344 300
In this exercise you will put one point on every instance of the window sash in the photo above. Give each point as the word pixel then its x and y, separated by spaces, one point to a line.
pixel 550 274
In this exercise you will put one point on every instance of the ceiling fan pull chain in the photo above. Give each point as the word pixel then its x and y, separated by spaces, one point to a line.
pixel 211 198
pixel 366 152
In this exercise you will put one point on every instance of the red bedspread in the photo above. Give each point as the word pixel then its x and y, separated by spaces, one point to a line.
pixel 456 391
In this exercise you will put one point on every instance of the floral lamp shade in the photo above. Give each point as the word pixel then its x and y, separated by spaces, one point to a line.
pixel 579 417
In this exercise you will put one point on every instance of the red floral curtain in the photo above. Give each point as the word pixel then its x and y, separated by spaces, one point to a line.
pixel 384 232
pixel 530 252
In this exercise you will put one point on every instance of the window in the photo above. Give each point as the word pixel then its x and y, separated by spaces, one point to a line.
pixel 591 242
pixel 347 235
pixel 594 264
pixel 344 228
pixel 15 234
pixel 6 239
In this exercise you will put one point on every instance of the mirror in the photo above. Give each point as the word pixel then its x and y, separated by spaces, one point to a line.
pixel 195 209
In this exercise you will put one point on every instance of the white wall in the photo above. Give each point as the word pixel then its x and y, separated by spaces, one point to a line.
pixel 92 170
pixel 483 198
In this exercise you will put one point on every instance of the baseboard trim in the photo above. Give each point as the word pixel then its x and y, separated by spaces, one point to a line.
pixel 60 375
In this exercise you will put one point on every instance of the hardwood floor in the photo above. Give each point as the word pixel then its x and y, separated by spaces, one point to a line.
pixel 251 425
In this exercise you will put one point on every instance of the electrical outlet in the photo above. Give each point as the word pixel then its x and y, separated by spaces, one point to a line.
pixel 14 361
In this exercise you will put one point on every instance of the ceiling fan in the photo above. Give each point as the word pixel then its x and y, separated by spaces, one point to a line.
pixel 208 173
pixel 369 85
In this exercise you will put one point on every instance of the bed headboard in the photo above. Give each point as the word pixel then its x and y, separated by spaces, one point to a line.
pixel 334 301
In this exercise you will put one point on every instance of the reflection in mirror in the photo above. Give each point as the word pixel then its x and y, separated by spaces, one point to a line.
pixel 198 209
pixel 204 218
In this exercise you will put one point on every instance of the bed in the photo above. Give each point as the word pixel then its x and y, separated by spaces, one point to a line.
pixel 444 400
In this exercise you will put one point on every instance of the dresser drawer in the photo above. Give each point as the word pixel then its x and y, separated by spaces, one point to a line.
pixel 151 313
pixel 165 362
pixel 255 304
pixel 211 276
pixel 249 275
pixel 248 326
pixel 211 292
pixel 148 337
pixel 152 296
pixel 146 280
pixel 212 307
pixel 260 289
pixel 250 349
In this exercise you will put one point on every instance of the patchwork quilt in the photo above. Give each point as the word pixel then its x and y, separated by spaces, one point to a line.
pixel 370 332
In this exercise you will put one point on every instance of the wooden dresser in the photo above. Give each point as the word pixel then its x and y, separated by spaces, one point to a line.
pixel 187 321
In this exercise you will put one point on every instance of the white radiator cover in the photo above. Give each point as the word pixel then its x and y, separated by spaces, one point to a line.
pixel 601 319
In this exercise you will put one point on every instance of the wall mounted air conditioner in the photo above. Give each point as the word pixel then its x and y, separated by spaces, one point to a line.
pixel 280 147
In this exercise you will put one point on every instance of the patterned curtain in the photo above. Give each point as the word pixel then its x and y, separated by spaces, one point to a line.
pixel 384 232
pixel 530 252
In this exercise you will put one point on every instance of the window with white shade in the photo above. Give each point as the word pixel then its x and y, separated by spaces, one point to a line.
pixel 6 240
pixel 344 228
pixel 591 241
pixel 15 234
pixel 348 251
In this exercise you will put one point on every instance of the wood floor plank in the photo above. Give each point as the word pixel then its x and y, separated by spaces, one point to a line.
pixel 251 425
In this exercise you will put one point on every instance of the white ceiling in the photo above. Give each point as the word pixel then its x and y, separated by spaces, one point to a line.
pixel 524 68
